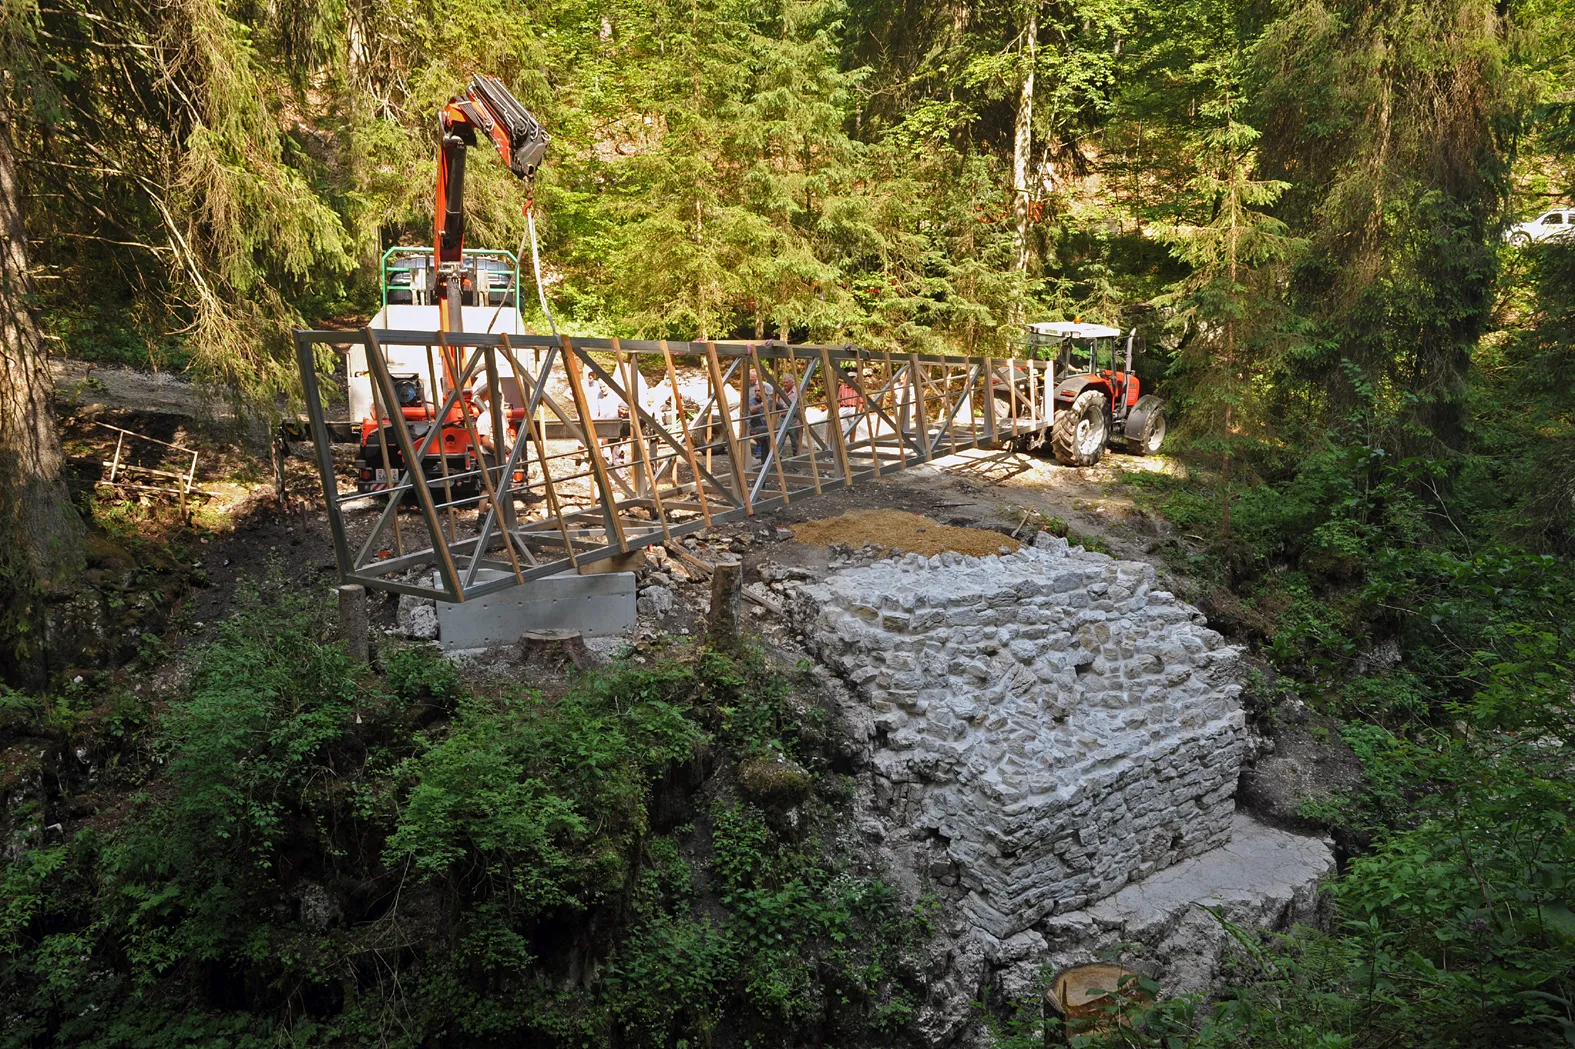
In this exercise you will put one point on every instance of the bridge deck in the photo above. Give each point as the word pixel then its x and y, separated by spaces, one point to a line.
pixel 667 464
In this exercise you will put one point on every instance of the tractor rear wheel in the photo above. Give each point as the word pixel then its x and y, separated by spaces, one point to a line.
pixel 1078 436
pixel 1146 426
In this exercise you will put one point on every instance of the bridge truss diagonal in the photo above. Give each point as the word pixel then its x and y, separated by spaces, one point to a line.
pixel 674 444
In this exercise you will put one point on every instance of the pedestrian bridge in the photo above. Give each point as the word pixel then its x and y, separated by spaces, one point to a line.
pixel 616 444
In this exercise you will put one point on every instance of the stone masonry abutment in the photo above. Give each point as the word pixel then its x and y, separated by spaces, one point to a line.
pixel 1060 725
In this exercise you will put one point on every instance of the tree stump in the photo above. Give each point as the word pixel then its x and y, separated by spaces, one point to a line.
pixel 726 607
pixel 352 620
pixel 570 643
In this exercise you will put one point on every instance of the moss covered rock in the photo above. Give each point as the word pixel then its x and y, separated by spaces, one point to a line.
pixel 774 780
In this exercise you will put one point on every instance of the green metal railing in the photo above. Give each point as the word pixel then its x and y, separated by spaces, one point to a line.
pixel 407 250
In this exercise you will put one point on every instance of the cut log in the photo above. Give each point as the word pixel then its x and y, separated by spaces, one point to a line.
pixel 723 623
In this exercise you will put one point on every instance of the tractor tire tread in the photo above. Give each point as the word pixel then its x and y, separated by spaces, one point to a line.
pixel 1063 435
pixel 1149 413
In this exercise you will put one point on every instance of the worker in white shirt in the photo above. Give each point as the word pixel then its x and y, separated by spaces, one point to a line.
pixel 492 454
pixel 604 405
pixel 657 400
pixel 481 397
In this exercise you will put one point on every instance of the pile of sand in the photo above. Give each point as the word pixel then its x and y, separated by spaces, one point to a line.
pixel 898 530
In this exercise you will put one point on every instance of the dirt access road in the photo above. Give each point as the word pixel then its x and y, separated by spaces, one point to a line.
pixel 1011 492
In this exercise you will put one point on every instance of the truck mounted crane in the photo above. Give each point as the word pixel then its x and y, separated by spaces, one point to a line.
pixel 453 280
pixel 488 107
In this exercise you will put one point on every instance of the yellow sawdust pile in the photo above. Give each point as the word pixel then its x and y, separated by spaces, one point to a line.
pixel 897 529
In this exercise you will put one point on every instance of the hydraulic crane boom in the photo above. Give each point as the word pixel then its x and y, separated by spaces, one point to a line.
pixel 489 107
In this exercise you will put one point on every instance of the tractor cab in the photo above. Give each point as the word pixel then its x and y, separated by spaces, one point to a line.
pixel 1098 398
pixel 1081 349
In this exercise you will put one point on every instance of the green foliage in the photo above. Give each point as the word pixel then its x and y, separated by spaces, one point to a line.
pixel 1386 120
pixel 327 855
pixel 419 672
pixel 1225 307
pixel 1451 923
pixel 267 703
pixel 209 227
pixel 1517 478
pixel 540 812
pixel 91 332
pixel 804 931
pixel 1309 196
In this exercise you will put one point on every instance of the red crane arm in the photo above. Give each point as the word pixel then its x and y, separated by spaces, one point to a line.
pixel 517 135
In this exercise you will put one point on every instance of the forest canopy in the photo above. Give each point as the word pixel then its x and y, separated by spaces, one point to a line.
pixel 1312 183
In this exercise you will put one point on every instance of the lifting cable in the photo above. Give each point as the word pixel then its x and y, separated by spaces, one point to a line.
pixel 535 265
pixel 540 387
pixel 535 260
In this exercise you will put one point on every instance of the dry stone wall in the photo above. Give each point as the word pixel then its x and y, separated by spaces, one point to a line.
pixel 1063 727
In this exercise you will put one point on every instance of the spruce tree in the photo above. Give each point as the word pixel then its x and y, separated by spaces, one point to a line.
pixel 1225 305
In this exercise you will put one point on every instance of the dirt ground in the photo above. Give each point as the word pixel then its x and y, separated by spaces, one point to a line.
pixel 900 530
pixel 1015 492
pixel 79 384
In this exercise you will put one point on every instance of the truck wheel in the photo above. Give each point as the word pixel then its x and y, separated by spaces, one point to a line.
pixel 1146 426
pixel 1078 436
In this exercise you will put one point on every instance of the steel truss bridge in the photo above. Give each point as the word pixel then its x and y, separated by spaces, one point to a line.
pixel 576 486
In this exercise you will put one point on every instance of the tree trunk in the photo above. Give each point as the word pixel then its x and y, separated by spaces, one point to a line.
pixel 358 46
pixel 1225 504
pixel 1023 137
pixel 40 533
pixel 1230 367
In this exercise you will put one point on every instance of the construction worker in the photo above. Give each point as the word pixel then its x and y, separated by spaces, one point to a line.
pixel 481 397
pixel 604 405
pixel 848 401
pixel 491 453
pixel 760 394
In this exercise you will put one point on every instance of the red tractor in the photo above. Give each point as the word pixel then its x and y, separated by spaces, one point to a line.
pixel 1095 406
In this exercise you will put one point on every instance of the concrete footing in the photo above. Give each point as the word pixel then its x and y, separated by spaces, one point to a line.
pixel 601 605
pixel 1172 924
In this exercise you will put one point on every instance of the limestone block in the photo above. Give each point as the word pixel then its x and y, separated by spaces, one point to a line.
pixel 417 618
pixel 1264 878
pixel 655 601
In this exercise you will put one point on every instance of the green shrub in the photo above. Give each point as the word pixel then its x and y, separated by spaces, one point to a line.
pixel 328 856
pixel 541 806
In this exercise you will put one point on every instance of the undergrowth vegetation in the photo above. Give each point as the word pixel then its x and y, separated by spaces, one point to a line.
pixel 1418 596
pixel 324 854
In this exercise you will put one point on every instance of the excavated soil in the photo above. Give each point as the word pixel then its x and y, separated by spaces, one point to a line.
pixel 899 530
